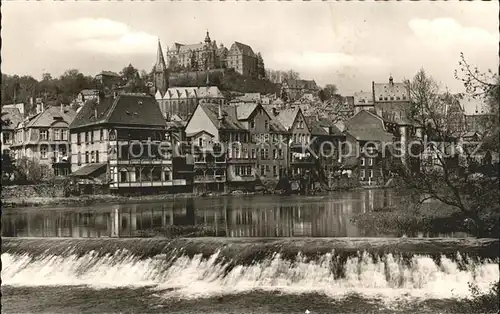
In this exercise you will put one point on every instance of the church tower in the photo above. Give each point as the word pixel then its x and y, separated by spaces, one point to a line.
pixel 160 72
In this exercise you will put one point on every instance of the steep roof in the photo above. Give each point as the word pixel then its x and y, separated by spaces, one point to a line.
pixel 244 111
pixel 125 109
pixel 51 114
pixel 322 126
pixel 274 124
pixel 243 49
pixel 185 48
pixel 192 92
pixel 397 91
pixel 109 73
pixel 12 116
pixel 287 117
pixel 230 121
pixel 363 131
pixel 160 65
pixel 363 98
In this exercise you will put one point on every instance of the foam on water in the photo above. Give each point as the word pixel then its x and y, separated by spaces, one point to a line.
pixel 389 277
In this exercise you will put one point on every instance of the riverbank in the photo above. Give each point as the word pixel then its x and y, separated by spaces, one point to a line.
pixel 432 219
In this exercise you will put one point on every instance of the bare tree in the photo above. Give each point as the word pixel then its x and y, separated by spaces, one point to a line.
pixel 447 171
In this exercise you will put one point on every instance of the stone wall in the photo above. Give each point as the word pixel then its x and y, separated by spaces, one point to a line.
pixel 29 191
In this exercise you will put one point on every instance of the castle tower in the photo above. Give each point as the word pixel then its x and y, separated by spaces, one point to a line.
pixel 207 39
pixel 160 72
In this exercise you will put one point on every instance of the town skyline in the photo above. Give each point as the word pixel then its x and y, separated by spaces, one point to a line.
pixel 348 45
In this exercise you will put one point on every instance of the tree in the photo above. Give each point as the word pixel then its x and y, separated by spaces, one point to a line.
pixel 292 75
pixel 261 70
pixel 442 176
pixel 328 92
pixel 8 166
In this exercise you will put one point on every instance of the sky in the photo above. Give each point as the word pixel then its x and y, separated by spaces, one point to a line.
pixel 349 44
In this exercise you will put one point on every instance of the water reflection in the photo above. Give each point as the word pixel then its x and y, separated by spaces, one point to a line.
pixel 251 216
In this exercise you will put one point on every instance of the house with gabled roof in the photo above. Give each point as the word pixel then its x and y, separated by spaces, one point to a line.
pixel 44 137
pixel 371 143
pixel 11 117
pixel 123 142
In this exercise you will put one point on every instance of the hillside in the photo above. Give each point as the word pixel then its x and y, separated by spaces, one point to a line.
pixel 228 80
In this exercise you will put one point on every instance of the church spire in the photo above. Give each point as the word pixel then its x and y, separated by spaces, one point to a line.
pixel 160 72
pixel 160 60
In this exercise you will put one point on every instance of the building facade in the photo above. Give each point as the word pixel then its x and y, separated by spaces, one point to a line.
pixel 182 101
pixel 122 142
pixel 44 137
pixel 11 117
pixel 242 59
pixel 295 89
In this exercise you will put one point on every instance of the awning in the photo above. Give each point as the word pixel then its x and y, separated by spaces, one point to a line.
pixel 88 170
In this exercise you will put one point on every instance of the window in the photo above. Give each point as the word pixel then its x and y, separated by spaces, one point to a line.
pixel 362 175
pixel 65 135
pixel 266 124
pixel 280 153
pixel 79 159
pixel 43 152
pixel 268 168
pixel 370 173
pixel 380 98
pixel 91 136
pixel 245 153
pixel 86 137
pixel 86 157
pixel 200 142
pixel 57 134
pixel 97 156
pixel 385 98
pixel 404 97
pixel 254 155
pixel 362 161
pixel 370 161
pixel 275 154
pixel 262 170
pixel 249 170
pixel 237 152
pixel 92 156
pixel 252 124
pixel 44 135
pixel 275 171
pixel 398 98
pixel 101 135
pixel 392 98
pixel 301 124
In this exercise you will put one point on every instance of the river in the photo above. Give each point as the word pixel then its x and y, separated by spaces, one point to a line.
pixel 101 259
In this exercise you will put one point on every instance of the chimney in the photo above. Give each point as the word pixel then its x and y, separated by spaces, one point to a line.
pixel 219 114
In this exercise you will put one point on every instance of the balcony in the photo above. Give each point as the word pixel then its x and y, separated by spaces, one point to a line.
pixel 140 162
pixel 147 184
pixel 209 178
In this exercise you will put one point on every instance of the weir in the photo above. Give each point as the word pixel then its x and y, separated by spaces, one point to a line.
pixel 205 267
pixel 247 250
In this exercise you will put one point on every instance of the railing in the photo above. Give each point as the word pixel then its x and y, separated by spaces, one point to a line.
pixel 140 161
pixel 145 184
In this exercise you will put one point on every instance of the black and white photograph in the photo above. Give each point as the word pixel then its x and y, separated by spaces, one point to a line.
pixel 250 157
